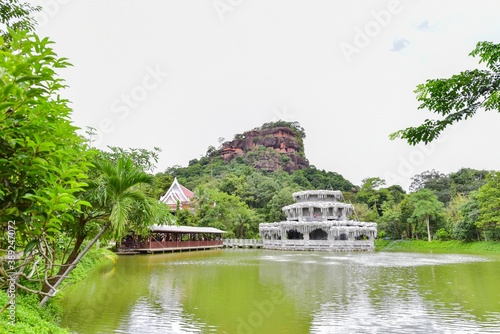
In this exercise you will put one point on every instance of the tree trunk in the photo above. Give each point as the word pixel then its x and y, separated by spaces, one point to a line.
pixel 428 227
pixel 74 263
pixel 74 254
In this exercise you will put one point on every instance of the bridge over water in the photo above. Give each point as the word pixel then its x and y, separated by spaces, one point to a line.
pixel 243 243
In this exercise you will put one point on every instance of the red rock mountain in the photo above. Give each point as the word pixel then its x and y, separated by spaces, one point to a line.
pixel 270 149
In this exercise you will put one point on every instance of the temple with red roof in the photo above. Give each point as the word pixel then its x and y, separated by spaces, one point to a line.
pixel 177 196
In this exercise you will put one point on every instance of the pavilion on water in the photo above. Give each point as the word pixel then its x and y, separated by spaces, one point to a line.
pixel 319 220
pixel 169 238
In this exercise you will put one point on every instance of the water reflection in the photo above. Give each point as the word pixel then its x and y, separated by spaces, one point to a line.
pixel 255 291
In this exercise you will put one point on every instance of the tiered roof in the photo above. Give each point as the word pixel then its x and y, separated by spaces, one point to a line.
pixel 177 193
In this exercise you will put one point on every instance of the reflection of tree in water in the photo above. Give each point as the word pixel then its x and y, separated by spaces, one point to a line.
pixel 319 292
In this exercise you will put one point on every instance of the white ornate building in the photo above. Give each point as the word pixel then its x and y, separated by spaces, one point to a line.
pixel 319 221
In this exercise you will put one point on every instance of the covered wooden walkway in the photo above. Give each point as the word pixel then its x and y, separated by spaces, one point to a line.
pixel 166 238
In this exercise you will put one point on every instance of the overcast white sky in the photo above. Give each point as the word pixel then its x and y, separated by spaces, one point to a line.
pixel 180 74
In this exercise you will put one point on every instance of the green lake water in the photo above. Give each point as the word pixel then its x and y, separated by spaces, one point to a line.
pixel 261 291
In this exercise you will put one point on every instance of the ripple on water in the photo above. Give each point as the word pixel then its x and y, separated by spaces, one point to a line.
pixel 390 259
pixel 169 318
pixel 329 292
pixel 380 259
pixel 396 316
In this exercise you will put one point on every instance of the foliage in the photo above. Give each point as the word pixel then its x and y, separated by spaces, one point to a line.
pixel 461 216
pixel 161 183
pixel 372 193
pixel 294 126
pixel 313 178
pixel 448 186
pixel 442 234
pixel 426 207
pixel 15 15
pixel 391 223
pixel 488 197
pixel 140 157
pixel 43 162
pixel 44 187
pixel 467 180
pixel 217 209
pixel 364 213
pixel 31 319
pixel 274 207
pixel 93 259
pixel 121 195
pixel 437 245
pixel 459 97
pixel 438 182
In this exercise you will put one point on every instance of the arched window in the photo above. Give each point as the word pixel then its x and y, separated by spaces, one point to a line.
pixel 294 235
pixel 318 234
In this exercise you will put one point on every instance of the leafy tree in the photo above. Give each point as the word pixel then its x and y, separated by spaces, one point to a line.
pixel 234 185
pixel 301 180
pixel 433 180
pixel 262 188
pixel 118 204
pixel 372 194
pixel 446 187
pixel 227 212
pixel 144 159
pixel 321 179
pixel 488 197
pixel 364 213
pixel 397 193
pixel 459 97
pixel 453 209
pixel 426 206
pixel 391 223
pixel 274 208
pixel 43 162
pixel 407 208
pixel 185 218
pixel 16 15
pixel 467 180
pixel 161 184
pixel 465 228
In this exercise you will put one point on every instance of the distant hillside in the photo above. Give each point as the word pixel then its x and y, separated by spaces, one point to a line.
pixel 273 146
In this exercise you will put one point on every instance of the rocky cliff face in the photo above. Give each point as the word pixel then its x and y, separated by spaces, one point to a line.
pixel 268 149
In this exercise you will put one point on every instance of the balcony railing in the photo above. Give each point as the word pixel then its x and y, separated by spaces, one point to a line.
pixel 170 244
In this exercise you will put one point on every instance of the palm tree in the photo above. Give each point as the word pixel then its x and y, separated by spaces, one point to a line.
pixel 121 192
pixel 117 193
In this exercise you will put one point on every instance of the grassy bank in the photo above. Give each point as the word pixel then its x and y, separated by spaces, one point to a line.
pixel 32 319
pixel 436 245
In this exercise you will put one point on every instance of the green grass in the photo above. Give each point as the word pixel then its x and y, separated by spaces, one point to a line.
pixel 29 318
pixel 436 245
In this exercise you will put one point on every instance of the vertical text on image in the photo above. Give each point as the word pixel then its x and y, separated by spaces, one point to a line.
pixel 11 257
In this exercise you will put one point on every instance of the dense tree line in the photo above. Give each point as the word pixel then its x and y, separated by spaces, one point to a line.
pixel 439 206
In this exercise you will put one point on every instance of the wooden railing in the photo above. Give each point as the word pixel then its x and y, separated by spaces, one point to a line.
pixel 170 244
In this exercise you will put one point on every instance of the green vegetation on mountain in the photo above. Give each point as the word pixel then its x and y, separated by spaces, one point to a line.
pixel 244 196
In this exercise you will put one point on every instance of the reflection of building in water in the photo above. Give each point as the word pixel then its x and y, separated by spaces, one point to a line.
pixel 319 221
